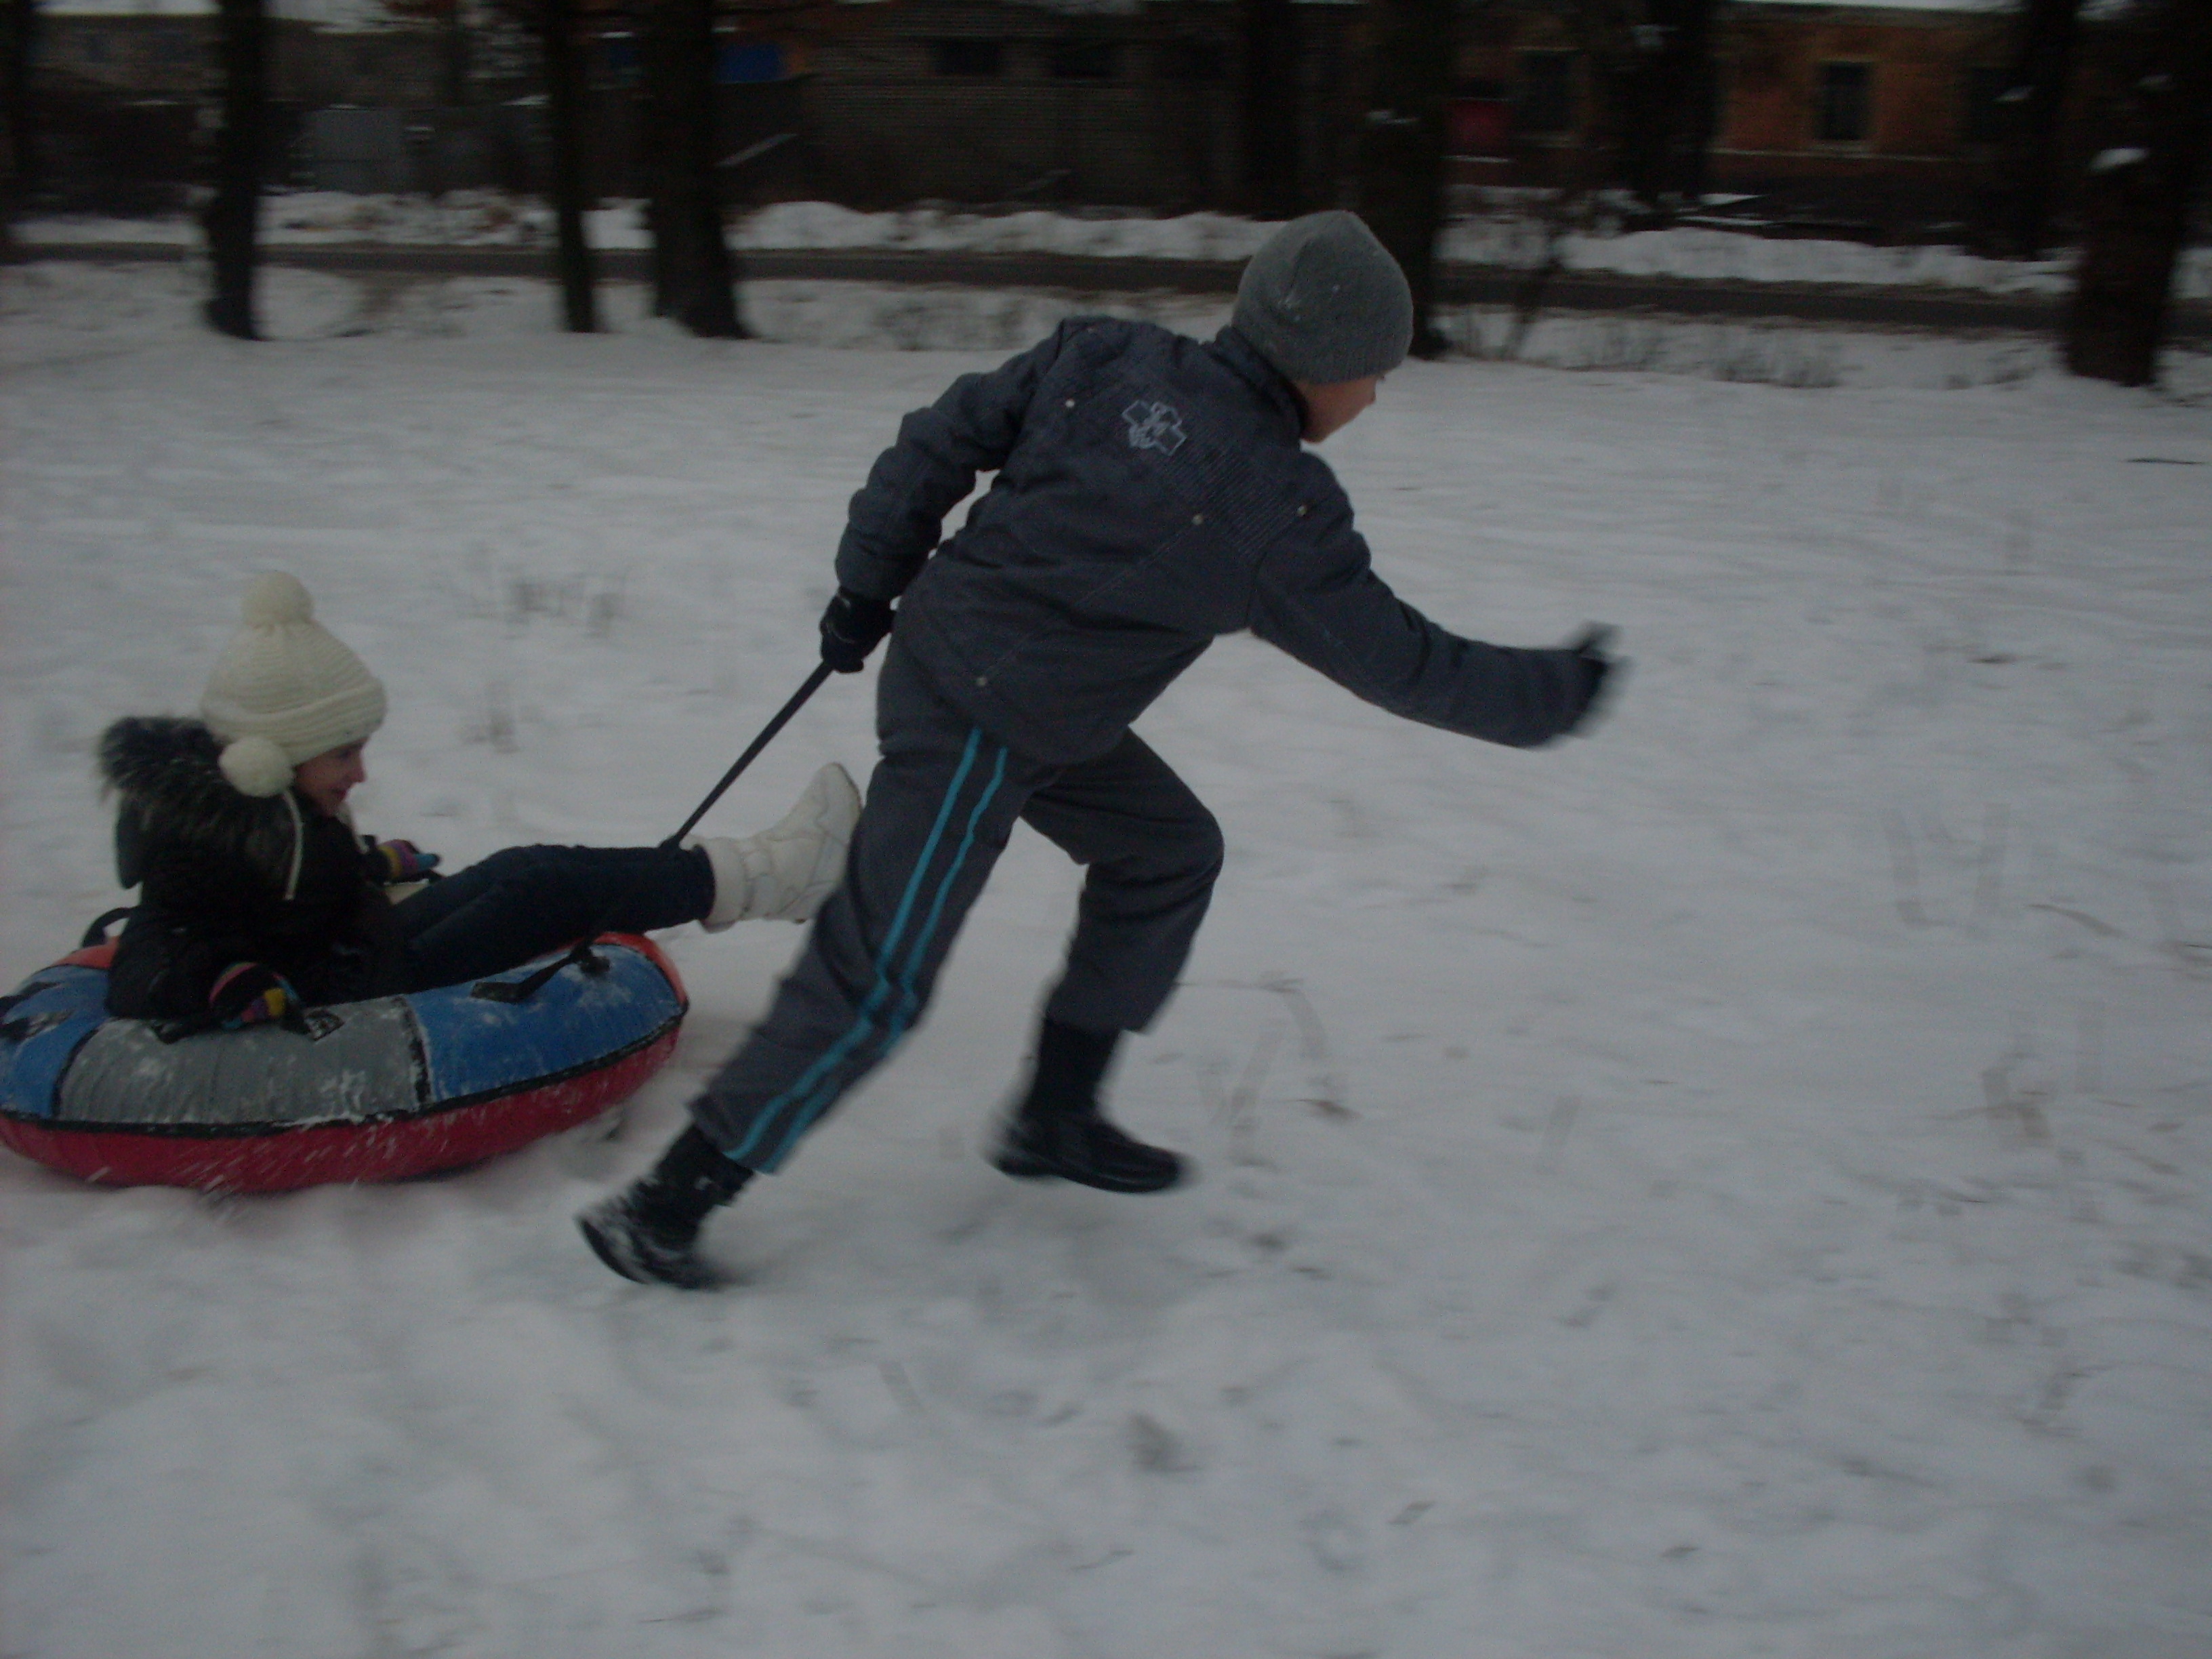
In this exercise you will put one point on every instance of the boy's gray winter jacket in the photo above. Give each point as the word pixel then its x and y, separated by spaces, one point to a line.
pixel 1152 494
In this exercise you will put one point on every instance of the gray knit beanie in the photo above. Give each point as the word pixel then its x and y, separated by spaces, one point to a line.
pixel 1324 301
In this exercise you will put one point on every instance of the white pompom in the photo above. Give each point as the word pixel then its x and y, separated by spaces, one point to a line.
pixel 255 766
pixel 274 598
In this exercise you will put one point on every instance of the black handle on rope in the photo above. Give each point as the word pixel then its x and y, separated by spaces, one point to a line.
pixel 822 673
pixel 581 953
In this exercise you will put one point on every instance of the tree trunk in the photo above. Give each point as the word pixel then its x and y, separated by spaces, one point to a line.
pixel 1698 83
pixel 1271 109
pixel 655 123
pixel 19 35
pixel 694 277
pixel 233 216
pixel 1590 159
pixel 454 50
pixel 1401 145
pixel 2042 67
pixel 2139 194
pixel 564 95
pixel 1667 102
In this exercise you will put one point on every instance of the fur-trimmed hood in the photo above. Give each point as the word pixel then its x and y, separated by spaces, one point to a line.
pixel 167 770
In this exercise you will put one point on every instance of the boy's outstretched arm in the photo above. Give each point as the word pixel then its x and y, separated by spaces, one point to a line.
pixel 897 517
pixel 1318 598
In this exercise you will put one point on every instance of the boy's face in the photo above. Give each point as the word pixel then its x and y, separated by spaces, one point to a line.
pixel 330 777
pixel 1333 407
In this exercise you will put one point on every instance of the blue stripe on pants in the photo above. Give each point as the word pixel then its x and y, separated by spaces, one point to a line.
pixel 812 1092
pixel 909 1006
pixel 909 1003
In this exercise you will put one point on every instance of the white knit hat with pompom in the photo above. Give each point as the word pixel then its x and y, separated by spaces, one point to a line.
pixel 285 690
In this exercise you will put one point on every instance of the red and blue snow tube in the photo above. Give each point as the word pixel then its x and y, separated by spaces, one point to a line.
pixel 374 1090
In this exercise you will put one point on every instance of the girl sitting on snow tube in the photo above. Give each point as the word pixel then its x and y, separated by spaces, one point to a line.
pixel 259 902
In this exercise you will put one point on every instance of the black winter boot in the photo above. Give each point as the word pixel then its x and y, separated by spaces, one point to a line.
pixel 1057 1129
pixel 646 1232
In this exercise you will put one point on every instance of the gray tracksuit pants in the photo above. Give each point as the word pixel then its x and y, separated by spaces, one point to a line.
pixel 942 802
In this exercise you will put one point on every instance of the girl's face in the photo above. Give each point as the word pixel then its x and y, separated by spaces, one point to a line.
pixel 330 777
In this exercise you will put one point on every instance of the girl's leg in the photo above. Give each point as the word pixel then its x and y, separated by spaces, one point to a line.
pixel 526 901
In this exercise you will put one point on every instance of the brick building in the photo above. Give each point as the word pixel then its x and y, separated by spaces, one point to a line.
pixel 1889 109
pixel 1880 106
pixel 997 101
pixel 138 54
pixel 1843 92
pixel 166 49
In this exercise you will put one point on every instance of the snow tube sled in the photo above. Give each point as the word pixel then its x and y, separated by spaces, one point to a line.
pixel 375 1091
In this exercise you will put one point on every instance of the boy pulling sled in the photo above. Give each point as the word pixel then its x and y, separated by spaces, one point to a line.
pixel 1152 494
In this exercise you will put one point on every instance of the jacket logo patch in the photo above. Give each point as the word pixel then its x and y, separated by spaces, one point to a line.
pixel 1154 426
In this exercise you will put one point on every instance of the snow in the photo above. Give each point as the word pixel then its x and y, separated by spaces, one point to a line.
pixel 490 219
pixel 1732 1186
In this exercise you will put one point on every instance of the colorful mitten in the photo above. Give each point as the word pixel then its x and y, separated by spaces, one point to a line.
pixel 251 994
pixel 394 861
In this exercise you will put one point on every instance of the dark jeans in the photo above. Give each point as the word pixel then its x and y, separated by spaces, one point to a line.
pixel 944 799
pixel 529 900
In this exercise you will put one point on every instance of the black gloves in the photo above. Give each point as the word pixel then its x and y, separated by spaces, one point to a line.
pixel 852 627
pixel 1590 653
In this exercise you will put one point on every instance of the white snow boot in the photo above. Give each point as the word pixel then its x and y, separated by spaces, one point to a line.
pixel 784 872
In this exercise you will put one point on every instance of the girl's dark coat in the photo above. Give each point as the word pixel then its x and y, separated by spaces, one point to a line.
pixel 225 877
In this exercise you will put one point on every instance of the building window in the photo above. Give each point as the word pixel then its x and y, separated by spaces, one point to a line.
pixel 1845 111
pixel 747 63
pixel 1083 60
pixel 1194 60
pixel 1478 120
pixel 1984 115
pixel 618 58
pixel 1545 100
pixel 969 57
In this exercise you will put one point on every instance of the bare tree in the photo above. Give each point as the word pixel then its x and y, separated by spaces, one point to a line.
pixel 233 216
pixel 1646 123
pixel 1270 88
pixel 564 98
pixel 2140 191
pixel 1665 91
pixel 454 51
pixel 1402 144
pixel 2034 102
pixel 693 279
pixel 1602 33
pixel 19 36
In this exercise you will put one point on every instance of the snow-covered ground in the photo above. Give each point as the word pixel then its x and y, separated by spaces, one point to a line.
pixel 1733 1186
pixel 485 218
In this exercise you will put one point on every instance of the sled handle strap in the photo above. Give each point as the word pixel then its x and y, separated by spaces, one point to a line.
pixel 522 990
pixel 752 750
pixel 97 933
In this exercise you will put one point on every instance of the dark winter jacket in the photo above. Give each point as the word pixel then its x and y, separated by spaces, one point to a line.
pixel 1152 494
pixel 225 877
